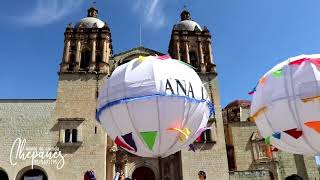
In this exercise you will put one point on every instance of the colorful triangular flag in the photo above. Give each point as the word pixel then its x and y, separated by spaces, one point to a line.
pixel 122 144
pixel 253 90
pixel 164 57
pixel 129 140
pixel 315 61
pixel 277 135
pixel 298 62
pixel 149 138
pixel 277 73
pixel 198 139
pixel 142 58
pixel 267 140
pixel 274 149
pixel 315 125
pixel 262 81
pixel 191 146
pixel 294 133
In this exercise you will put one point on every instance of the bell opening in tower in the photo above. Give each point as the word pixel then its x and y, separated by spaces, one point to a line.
pixel 193 59
pixel 98 59
pixel 85 59
pixel 72 63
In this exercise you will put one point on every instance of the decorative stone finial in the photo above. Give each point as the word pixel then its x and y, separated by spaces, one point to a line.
pixel 70 26
pixel 93 12
pixel 81 25
pixel 185 15
pixel 205 29
pixel 197 29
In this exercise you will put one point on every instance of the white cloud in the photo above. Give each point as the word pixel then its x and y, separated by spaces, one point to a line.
pixel 49 11
pixel 152 12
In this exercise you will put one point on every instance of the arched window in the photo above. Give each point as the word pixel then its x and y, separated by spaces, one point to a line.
pixel 143 173
pixel 181 57
pixel 74 135
pixel 193 59
pixel 34 174
pixel 72 62
pixel 73 48
pixel 67 136
pixel 85 59
pixel 205 136
pixel 98 60
pixel 3 175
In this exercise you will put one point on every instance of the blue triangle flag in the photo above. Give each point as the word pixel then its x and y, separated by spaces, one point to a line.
pixel 277 135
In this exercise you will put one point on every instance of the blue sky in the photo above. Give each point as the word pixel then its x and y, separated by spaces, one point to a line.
pixel 249 37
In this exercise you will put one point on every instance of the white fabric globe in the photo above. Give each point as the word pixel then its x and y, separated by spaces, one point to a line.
pixel 154 106
pixel 286 106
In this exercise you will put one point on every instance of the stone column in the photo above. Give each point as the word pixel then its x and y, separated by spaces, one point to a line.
pixel 107 52
pixel 210 51
pixel 78 54
pixel 186 46
pixel 104 65
pixel 66 52
pixel 177 43
pixel 201 59
pixel 66 55
pixel 61 136
pixel 92 65
pixel 210 64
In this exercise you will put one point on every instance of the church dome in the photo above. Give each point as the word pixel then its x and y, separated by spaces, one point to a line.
pixel 186 23
pixel 88 22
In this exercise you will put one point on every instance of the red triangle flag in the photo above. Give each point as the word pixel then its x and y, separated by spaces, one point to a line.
pixel 298 62
pixel 294 133
pixel 315 61
pixel 198 139
pixel 315 125
pixel 274 149
pixel 122 144
pixel 164 57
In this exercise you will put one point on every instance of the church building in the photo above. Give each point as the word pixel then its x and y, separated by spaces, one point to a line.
pixel 67 125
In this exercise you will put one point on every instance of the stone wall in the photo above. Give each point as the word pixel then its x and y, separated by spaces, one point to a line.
pixel 284 164
pixel 250 175
pixel 25 119
pixel 209 157
pixel 77 98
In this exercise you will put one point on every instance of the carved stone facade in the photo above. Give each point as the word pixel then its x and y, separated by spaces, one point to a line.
pixel 249 155
pixel 87 49
pixel 191 44
pixel 69 123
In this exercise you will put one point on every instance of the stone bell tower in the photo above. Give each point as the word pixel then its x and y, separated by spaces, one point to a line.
pixel 192 44
pixel 87 46
pixel 85 65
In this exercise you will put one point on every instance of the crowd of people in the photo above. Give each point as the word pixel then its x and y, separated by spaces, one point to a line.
pixel 201 174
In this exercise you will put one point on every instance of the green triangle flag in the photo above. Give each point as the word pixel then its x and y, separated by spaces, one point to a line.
pixel 267 140
pixel 277 73
pixel 149 138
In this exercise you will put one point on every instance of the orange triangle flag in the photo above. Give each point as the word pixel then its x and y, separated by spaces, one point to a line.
pixel 315 125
